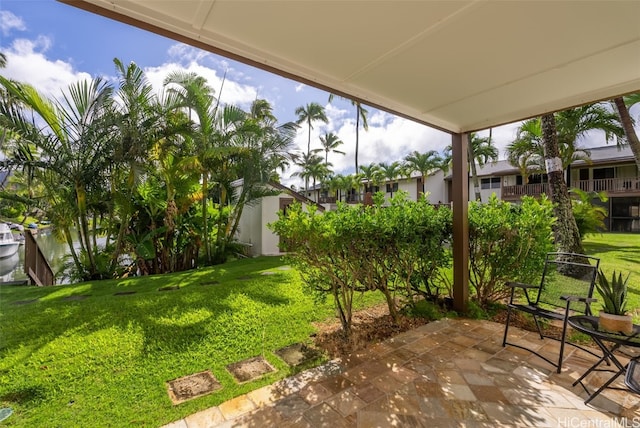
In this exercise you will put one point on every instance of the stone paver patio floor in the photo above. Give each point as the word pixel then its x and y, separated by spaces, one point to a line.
pixel 448 373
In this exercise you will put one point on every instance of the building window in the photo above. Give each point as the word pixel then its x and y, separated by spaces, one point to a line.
pixel 392 188
pixel 490 183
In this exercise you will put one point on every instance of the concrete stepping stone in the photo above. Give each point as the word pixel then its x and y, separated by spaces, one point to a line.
pixel 285 267
pixel 192 386
pixel 124 293
pixel 268 272
pixel 297 354
pixel 169 288
pixel 244 278
pixel 76 297
pixel 205 283
pixel 25 302
pixel 250 369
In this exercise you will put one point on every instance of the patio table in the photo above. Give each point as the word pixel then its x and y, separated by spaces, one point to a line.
pixel 590 325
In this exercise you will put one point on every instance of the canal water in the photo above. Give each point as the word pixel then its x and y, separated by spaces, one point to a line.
pixel 12 268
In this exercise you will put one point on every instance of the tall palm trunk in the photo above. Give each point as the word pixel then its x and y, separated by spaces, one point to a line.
pixel 566 232
pixel 81 198
pixel 205 228
pixel 627 125
pixel 474 172
pixel 357 135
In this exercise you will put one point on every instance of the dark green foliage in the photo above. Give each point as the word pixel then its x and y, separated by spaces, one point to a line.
pixel 613 293
pixel 507 243
pixel 395 250
pixel 589 216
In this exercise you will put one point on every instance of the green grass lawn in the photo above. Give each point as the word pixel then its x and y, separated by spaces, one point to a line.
pixel 619 252
pixel 104 360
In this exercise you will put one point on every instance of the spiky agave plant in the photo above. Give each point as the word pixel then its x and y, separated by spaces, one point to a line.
pixel 613 293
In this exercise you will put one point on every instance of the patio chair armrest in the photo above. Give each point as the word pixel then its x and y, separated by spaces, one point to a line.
pixel 578 299
pixel 521 285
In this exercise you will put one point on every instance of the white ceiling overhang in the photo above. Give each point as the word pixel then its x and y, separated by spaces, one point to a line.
pixel 456 65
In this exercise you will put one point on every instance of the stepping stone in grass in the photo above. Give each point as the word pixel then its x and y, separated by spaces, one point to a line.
pixel 244 277
pixel 169 288
pixel 5 412
pixel 285 267
pixel 192 386
pixel 77 297
pixel 250 369
pixel 25 302
pixel 214 282
pixel 124 293
pixel 268 273
pixel 297 354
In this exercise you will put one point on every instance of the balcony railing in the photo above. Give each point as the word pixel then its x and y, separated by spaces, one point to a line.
pixel 608 185
pixel 516 192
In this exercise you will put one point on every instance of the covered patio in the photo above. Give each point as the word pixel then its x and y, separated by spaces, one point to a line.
pixel 458 66
pixel 448 373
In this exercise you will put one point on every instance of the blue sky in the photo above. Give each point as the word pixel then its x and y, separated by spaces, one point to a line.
pixel 50 45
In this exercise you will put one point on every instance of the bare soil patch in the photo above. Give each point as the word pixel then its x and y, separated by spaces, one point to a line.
pixel 250 369
pixel 192 386
pixel 370 326
pixel 373 325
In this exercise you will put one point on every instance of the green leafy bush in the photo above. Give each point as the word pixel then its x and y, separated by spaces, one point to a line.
pixel 395 250
pixel 507 242
pixel 589 216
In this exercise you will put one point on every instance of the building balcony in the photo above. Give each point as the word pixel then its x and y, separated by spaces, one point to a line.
pixel 515 193
pixel 611 186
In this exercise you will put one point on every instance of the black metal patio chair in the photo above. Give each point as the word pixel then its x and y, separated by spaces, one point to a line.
pixel 566 288
pixel 632 379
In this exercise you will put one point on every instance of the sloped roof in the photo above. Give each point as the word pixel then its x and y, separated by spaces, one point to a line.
pixel 295 195
pixel 455 65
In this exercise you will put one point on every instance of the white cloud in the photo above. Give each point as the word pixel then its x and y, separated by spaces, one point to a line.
pixel 26 62
pixel 230 92
pixel 10 22
pixel 300 87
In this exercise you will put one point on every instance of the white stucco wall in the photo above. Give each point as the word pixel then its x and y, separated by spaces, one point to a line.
pixel 436 187
pixel 270 208
pixel 250 226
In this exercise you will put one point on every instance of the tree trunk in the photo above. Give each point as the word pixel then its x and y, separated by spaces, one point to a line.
pixel 357 135
pixel 474 173
pixel 205 226
pixel 627 125
pixel 566 232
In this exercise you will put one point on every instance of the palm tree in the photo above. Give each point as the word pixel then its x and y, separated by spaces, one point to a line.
pixel 480 150
pixel 307 163
pixel 423 163
pixel 140 118
pixel 372 175
pixel 526 152
pixel 74 144
pixel 559 134
pixel 390 172
pixel 318 171
pixel 566 229
pixel 197 98
pixel 622 107
pixel 312 112
pixel 267 147
pixel 361 115
pixel 330 142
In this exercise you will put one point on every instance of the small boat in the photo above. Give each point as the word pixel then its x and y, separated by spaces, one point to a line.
pixel 8 244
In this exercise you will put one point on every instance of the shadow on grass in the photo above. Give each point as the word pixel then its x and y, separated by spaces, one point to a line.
pixel 55 316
